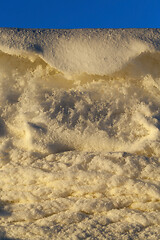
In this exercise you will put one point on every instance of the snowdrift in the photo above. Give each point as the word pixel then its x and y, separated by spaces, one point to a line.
pixel 79 133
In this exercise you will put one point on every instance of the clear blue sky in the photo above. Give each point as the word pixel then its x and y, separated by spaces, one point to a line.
pixel 80 13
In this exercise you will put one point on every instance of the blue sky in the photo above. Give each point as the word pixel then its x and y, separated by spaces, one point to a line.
pixel 80 13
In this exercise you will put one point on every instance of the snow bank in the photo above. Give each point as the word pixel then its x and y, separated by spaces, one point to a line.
pixel 79 133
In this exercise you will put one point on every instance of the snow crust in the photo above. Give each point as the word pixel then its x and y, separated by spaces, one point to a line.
pixel 79 134
pixel 94 51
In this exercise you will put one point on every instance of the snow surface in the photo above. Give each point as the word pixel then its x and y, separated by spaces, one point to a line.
pixel 79 134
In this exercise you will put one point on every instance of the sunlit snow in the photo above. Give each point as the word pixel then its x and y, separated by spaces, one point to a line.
pixel 79 134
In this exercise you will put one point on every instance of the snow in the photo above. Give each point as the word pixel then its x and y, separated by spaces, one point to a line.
pixel 79 134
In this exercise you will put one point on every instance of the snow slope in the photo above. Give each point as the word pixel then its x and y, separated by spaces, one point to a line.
pixel 79 134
